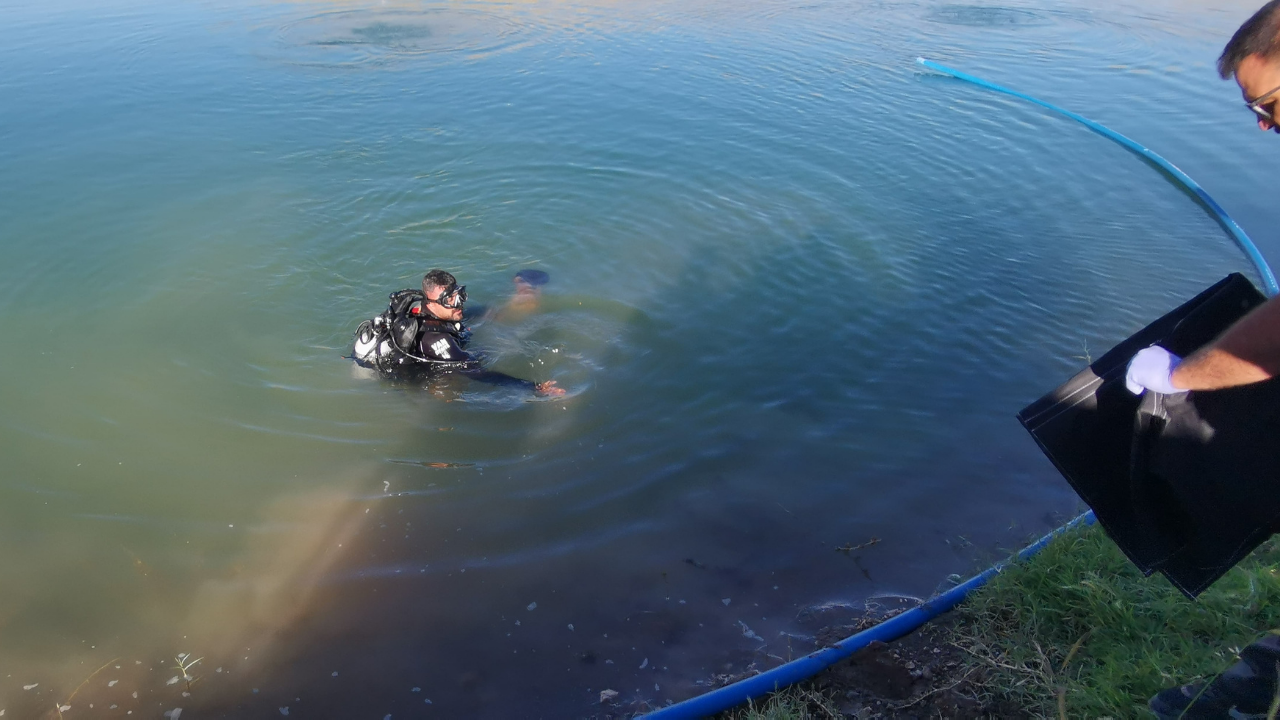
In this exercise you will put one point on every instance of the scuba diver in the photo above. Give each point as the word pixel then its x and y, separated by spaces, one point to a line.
pixel 421 336
pixel 525 298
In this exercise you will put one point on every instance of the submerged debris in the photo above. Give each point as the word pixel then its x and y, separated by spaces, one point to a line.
pixel 749 633
pixel 850 547
pixel 608 696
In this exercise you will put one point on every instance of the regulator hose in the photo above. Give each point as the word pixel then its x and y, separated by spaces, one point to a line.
pixel 1237 233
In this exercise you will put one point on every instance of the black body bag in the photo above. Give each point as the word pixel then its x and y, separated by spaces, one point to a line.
pixel 1186 484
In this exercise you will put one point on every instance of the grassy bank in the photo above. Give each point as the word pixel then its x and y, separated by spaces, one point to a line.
pixel 1076 631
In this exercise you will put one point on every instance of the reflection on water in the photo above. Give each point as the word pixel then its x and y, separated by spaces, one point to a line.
pixel 987 16
pixel 798 291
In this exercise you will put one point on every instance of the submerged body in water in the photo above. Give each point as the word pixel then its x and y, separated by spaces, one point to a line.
pixel 421 335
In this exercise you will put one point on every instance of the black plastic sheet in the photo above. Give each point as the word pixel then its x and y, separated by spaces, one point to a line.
pixel 1185 484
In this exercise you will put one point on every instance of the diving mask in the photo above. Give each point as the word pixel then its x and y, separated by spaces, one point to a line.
pixel 454 296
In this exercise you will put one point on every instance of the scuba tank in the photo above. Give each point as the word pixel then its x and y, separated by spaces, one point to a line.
pixel 388 339
pixel 366 340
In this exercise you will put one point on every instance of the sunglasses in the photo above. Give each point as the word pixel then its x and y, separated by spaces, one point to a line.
pixel 455 296
pixel 1259 106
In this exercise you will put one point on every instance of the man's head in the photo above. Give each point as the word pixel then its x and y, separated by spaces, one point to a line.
pixel 444 299
pixel 1253 57
pixel 530 281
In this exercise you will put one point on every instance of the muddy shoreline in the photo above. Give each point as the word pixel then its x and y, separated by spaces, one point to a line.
pixel 924 674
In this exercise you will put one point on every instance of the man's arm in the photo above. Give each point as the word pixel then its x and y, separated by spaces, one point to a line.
pixel 1248 352
pixel 445 348
pixel 493 377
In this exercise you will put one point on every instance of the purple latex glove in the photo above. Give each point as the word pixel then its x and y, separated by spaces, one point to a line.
pixel 1152 369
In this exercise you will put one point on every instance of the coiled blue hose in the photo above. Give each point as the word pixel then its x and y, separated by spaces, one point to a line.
pixel 1237 233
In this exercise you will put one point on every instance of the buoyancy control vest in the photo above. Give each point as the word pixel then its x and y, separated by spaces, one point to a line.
pixel 404 342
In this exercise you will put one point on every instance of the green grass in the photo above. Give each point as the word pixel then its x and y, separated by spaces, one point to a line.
pixel 797 702
pixel 1077 629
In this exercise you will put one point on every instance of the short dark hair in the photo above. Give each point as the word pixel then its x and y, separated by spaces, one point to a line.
pixel 529 276
pixel 439 278
pixel 1259 35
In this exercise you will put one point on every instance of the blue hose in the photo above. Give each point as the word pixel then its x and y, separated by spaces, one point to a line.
pixel 811 664
pixel 1236 232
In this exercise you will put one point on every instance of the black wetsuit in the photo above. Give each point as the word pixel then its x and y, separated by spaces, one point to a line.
pixel 444 344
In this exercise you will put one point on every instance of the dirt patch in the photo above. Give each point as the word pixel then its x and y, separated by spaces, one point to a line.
pixel 922 675
pixel 925 674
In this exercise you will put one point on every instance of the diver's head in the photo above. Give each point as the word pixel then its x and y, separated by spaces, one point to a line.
pixel 530 281
pixel 444 297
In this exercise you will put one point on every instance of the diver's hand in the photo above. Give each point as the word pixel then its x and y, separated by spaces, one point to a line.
pixel 1152 369
pixel 548 389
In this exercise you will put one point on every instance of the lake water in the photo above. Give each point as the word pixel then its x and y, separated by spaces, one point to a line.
pixel 799 290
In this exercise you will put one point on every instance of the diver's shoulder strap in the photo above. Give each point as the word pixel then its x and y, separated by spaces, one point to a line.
pixel 431 324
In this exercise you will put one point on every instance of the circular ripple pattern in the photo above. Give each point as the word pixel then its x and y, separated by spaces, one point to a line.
pixel 988 16
pixel 377 38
